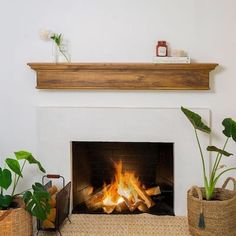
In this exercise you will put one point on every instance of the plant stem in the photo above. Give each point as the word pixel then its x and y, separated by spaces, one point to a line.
pixel 220 156
pixel 17 180
pixel 14 184
pixel 216 179
pixel 199 146
pixel 206 184
pixel 214 167
pixel 213 180
pixel 217 162
pixel 22 192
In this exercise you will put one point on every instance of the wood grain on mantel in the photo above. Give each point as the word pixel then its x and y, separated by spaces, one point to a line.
pixel 131 76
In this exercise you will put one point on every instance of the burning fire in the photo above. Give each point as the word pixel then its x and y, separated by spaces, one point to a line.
pixel 124 193
pixel 121 188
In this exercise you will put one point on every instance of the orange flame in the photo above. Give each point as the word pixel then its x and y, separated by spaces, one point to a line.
pixel 121 188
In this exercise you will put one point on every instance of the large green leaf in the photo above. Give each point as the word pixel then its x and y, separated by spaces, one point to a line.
pixel 37 187
pixel 230 128
pixel 22 155
pixel 221 151
pixel 5 201
pixel 14 166
pixel 37 203
pixel 5 178
pixel 196 120
pixel 28 156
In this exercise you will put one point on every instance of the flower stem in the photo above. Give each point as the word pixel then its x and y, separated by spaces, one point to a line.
pixel 67 59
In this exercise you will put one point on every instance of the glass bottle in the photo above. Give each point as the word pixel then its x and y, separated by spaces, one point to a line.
pixel 161 49
pixel 61 53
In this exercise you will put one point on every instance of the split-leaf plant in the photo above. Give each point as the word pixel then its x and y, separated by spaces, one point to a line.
pixel 36 199
pixel 217 170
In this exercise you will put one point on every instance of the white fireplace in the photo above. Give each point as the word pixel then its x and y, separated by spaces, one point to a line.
pixel 59 126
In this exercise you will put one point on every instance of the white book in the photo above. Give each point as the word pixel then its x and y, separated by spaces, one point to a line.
pixel 177 60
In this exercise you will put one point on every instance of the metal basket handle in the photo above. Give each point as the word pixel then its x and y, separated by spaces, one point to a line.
pixel 53 176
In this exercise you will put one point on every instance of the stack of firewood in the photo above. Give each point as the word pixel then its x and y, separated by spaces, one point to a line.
pixel 142 202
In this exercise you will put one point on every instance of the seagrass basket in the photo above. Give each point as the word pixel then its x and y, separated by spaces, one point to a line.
pixel 215 217
pixel 15 222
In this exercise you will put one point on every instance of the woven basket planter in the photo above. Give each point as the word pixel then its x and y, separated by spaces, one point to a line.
pixel 15 222
pixel 219 214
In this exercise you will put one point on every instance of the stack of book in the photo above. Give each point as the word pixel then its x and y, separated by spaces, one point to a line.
pixel 174 60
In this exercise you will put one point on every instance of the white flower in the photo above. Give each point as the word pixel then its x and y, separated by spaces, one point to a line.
pixel 45 34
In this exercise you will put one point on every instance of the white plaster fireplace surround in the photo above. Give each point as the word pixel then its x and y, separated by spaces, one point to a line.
pixel 58 126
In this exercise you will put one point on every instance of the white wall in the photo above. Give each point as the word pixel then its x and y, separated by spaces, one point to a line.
pixel 111 31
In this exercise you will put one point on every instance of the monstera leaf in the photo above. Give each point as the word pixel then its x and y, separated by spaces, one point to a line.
pixel 5 201
pixel 14 166
pixel 28 156
pixel 5 178
pixel 215 149
pixel 230 128
pixel 37 203
pixel 196 120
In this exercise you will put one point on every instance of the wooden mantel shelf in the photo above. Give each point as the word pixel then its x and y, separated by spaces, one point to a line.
pixel 132 76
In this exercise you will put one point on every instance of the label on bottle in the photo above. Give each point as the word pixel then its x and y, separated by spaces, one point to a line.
pixel 161 51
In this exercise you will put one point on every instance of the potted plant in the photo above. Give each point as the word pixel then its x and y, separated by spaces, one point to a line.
pixel 211 210
pixel 14 219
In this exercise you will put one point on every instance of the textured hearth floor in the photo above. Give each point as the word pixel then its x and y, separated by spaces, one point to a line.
pixel 124 225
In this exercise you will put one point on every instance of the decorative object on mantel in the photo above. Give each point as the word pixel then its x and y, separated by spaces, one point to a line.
pixel 125 76
pixel 176 60
pixel 14 219
pixel 161 49
pixel 178 53
pixel 60 46
pixel 211 210
pixel 163 55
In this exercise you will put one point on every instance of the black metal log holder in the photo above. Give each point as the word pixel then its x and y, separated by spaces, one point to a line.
pixel 62 203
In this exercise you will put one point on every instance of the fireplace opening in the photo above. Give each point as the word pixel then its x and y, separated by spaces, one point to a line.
pixel 123 177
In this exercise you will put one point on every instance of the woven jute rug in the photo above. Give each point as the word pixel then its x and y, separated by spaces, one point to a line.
pixel 124 225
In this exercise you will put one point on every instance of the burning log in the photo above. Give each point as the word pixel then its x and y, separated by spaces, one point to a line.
pixel 121 207
pixel 128 203
pixel 143 207
pixel 87 191
pixel 143 195
pixel 95 201
pixel 136 205
pixel 124 193
pixel 131 206
pixel 109 209
pixel 153 191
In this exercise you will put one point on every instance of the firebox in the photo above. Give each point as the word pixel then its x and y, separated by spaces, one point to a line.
pixel 123 177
